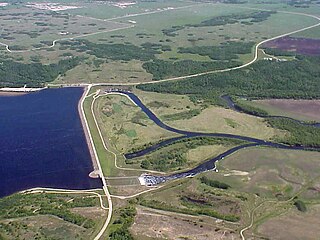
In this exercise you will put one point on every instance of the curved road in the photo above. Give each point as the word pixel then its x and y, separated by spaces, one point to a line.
pixel 191 75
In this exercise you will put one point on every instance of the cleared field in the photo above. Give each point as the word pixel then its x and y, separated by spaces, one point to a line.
pixel 300 109
pixel 271 172
pixel 304 46
pixel 156 224
pixel 218 119
pixel 297 225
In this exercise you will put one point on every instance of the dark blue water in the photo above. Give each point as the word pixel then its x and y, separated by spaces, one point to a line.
pixel 42 142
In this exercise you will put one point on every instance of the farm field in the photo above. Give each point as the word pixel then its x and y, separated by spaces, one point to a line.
pixel 271 172
pixel 306 110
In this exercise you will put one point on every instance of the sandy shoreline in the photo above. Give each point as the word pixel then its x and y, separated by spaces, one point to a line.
pixel 93 158
pixel 12 94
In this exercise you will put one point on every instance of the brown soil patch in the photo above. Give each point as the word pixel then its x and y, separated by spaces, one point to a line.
pixel 309 108
pixel 157 224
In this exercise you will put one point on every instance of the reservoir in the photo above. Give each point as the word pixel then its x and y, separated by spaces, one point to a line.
pixel 42 142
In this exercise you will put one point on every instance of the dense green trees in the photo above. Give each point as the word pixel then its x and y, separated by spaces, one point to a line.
pixel 21 205
pixel 17 74
pixel 301 206
pixel 161 69
pixel 119 51
pixel 174 155
pixel 299 134
pixel 263 79
pixel 122 223
pixel 214 183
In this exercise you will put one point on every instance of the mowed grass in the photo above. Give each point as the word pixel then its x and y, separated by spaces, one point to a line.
pixel 166 104
pixel 305 110
pixel 106 158
pixel 271 172
pixel 220 120
pixel 125 125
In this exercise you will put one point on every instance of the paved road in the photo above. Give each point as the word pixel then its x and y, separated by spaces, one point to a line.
pixel 104 183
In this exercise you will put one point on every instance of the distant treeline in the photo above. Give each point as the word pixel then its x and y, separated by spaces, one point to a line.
pixel 17 74
pixel 117 51
pixel 249 18
pixel 226 51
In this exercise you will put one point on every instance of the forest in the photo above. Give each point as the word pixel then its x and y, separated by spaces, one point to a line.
pixel 301 135
pixel 17 74
pixel 116 51
pixel 161 69
pixel 263 79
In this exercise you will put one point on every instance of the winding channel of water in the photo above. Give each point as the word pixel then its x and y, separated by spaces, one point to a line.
pixel 209 164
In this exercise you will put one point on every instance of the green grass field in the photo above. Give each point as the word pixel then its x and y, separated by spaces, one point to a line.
pixel 125 125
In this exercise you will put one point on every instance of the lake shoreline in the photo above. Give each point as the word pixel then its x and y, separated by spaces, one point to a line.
pixel 86 133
